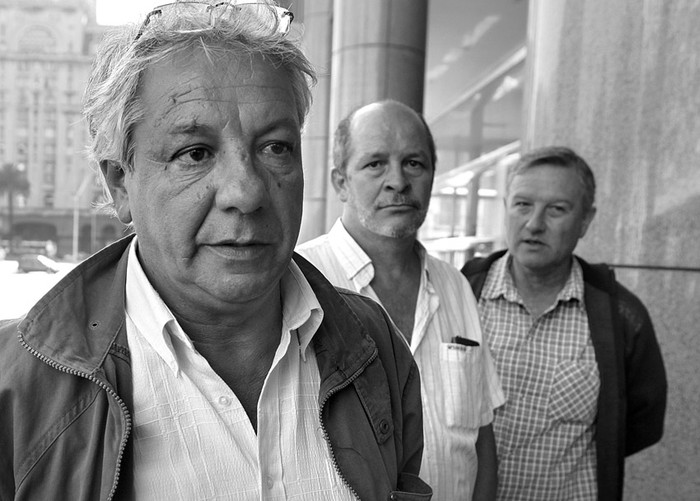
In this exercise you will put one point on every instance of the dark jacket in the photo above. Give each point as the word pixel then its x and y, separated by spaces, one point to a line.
pixel 632 398
pixel 65 391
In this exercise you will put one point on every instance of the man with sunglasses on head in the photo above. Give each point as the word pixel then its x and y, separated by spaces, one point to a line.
pixel 199 358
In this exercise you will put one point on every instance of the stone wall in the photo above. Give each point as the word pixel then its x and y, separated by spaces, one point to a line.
pixel 618 82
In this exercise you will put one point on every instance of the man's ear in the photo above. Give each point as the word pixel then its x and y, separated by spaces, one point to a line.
pixel 114 175
pixel 340 183
pixel 587 221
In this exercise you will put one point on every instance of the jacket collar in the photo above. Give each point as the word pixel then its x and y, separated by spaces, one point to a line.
pixel 342 344
pixel 77 321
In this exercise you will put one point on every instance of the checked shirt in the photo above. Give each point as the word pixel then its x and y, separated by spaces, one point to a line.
pixel 545 431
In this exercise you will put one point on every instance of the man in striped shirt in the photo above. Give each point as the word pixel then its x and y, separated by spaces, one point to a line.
pixel 582 372
pixel 384 159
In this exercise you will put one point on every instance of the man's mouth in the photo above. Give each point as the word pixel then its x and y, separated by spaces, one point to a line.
pixel 238 249
pixel 400 204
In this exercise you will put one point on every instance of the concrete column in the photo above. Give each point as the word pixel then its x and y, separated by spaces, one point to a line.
pixel 618 82
pixel 317 42
pixel 378 53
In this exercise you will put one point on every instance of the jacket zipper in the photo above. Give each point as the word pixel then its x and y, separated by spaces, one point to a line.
pixel 106 388
pixel 328 395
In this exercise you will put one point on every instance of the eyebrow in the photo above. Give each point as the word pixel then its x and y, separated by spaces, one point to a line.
pixel 189 128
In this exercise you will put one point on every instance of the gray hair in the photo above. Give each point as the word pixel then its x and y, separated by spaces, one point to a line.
pixel 112 106
pixel 557 156
pixel 342 141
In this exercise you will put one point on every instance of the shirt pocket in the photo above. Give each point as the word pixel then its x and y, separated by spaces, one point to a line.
pixel 574 393
pixel 461 373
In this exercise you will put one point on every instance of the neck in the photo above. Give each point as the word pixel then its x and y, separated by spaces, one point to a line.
pixel 252 323
pixel 397 275
pixel 540 282
pixel 387 253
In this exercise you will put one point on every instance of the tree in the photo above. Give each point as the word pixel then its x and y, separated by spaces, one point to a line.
pixel 13 181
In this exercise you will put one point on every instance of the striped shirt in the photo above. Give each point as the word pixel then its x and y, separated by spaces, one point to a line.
pixel 545 431
pixel 192 438
pixel 459 385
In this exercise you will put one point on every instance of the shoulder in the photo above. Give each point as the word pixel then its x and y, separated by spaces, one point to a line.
pixel 11 351
pixel 22 375
pixel 8 337
pixel 632 310
pixel 449 283
pixel 344 307
pixel 476 269
pixel 319 251
pixel 376 320
pixel 602 277
pixel 318 244
pixel 441 271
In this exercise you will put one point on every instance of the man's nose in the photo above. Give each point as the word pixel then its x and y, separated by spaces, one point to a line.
pixel 535 221
pixel 240 184
pixel 396 179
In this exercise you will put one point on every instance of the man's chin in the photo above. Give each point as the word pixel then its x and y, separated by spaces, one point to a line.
pixel 393 231
pixel 403 229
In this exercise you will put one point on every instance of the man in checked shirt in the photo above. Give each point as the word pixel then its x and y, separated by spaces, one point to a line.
pixel 576 351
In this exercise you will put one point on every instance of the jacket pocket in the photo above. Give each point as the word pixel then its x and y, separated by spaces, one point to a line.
pixel 574 393
pixel 461 372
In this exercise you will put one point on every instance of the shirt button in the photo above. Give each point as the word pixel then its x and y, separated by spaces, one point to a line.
pixel 270 483
pixel 224 400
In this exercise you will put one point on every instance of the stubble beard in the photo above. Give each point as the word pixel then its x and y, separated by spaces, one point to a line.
pixel 406 228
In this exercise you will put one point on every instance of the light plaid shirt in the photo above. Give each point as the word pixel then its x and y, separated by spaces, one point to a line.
pixel 545 431
pixel 192 437
pixel 459 385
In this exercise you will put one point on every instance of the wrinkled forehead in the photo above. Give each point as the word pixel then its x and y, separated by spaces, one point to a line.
pixel 188 93
pixel 208 74
pixel 547 181
pixel 218 62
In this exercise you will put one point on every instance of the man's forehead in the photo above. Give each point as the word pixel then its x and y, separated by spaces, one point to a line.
pixel 177 84
pixel 379 128
pixel 549 181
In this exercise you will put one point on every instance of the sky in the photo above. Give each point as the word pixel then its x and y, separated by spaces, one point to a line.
pixel 124 11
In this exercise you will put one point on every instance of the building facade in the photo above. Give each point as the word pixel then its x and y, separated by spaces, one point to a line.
pixel 46 50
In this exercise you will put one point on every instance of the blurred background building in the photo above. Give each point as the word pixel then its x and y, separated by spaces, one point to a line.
pixel 615 80
pixel 46 49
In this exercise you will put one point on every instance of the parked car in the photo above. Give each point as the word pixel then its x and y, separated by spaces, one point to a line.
pixel 36 262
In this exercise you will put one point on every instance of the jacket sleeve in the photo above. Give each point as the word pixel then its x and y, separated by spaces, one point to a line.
pixel 645 375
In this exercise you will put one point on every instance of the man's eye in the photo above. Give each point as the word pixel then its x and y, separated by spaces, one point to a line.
pixel 193 156
pixel 278 148
pixel 374 165
pixel 556 210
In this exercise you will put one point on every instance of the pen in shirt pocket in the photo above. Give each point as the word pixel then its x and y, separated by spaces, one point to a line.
pixel 464 341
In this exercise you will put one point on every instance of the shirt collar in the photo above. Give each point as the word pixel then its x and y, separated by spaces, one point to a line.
pixel 149 313
pixel 501 284
pixel 355 262
pixel 425 270
pixel 301 311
